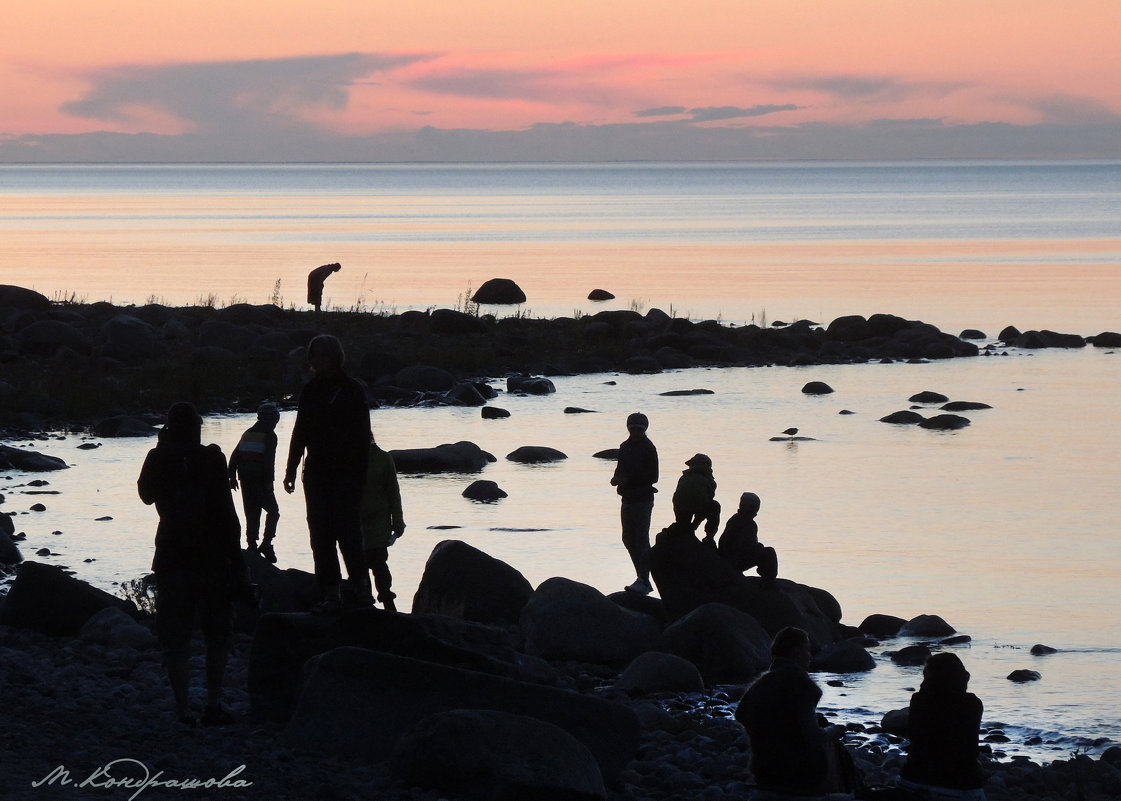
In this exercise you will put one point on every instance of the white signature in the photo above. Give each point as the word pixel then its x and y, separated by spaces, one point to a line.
pixel 132 774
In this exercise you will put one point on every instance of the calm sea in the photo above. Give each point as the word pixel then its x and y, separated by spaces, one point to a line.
pixel 1008 529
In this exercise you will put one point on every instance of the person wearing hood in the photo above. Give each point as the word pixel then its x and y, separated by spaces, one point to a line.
pixel 382 520
pixel 253 461
pixel 694 500
pixel 198 563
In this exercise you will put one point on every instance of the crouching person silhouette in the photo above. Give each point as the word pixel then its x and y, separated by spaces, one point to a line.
pixel 198 562
pixel 740 545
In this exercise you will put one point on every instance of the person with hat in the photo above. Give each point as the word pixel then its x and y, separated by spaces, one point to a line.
pixel 253 461
pixel 636 473
pixel 694 500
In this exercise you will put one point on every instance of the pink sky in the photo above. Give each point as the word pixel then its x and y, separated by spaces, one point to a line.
pixel 282 75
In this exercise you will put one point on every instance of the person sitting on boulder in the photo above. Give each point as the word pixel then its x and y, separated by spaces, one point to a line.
pixel 382 521
pixel 944 720
pixel 253 461
pixel 740 545
pixel 694 500
pixel 791 752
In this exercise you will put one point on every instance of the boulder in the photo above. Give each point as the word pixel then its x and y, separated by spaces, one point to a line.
pixel 656 672
pixel 449 322
pixel 461 581
pixel 926 626
pixel 877 625
pixel 48 337
pixel 9 551
pixel 226 335
pixel 1021 676
pixel 851 328
pixel 484 491
pixel 911 655
pixel 689 574
pixel 29 461
pixel 458 457
pixel 466 393
pixel 600 295
pixel 113 628
pixel 964 406
pixel 928 396
pixel 530 385
pixel 568 621
pixel 726 645
pixel 536 454
pixel 284 642
pixel 422 378
pixel 972 333
pixel 487 754
pixel 847 656
pixel 945 422
pixel 905 417
pixel 817 388
pixel 499 292
pixel 129 340
pixel 45 598
pixel 123 426
pixel 16 297
pixel 357 705
pixel 1008 334
pixel 897 722
pixel 494 413
pixel 1043 650
pixel 1106 339
pixel 1048 339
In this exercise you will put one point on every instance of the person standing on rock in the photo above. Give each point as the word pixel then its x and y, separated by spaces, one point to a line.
pixel 694 499
pixel 315 280
pixel 636 473
pixel 253 461
pixel 333 428
pixel 791 752
pixel 382 521
pixel 198 562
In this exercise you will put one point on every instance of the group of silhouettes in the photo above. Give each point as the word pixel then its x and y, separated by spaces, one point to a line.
pixel 354 508
pixel 794 752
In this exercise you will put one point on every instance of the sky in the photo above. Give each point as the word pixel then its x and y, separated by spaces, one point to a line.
pixel 583 80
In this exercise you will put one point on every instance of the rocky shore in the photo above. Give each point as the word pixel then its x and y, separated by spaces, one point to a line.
pixel 89 364
pixel 551 692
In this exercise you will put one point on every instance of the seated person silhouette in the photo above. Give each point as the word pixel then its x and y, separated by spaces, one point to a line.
pixel 740 545
pixel 942 761
pixel 694 499
pixel 791 752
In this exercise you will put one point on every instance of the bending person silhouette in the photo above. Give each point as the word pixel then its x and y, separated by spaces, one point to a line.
pixel 315 280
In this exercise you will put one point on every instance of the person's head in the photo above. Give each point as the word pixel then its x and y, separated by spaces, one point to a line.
pixel 268 413
pixel 325 353
pixel 700 461
pixel 336 267
pixel 637 423
pixel 749 504
pixel 183 426
pixel 792 643
pixel 944 673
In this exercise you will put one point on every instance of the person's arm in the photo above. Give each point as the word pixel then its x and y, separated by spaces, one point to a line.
pixel 295 452
pixel 147 485
pixel 393 492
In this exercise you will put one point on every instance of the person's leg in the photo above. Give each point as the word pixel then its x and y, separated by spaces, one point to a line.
pixel 174 622
pixel 321 522
pixel 217 618
pixel 348 534
pixel 635 520
pixel 252 515
pixel 378 561
pixel 266 501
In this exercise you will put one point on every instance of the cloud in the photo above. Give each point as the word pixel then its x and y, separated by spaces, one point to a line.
pixel 865 87
pixel 716 113
pixel 1066 109
pixel 661 111
pixel 231 95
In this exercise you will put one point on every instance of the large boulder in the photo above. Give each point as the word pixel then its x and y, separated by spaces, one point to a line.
pixel 227 335
pixel 689 574
pixel 129 340
pixel 283 643
pixel 9 551
pixel 113 628
pixel 536 454
pixel 926 626
pixel 568 621
pixel 880 625
pixel 424 378
pixel 357 704
pixel 449 322
pixel 488 754
pixel 461 581
pixel 29 461
pixel 530 385
pixel 45 598
pixel 499 291
pixel 17 297
pixel 727 646
pixel 123 426
pixel 659 672
pixel 457 457
pixel 48 337
pixel 847 656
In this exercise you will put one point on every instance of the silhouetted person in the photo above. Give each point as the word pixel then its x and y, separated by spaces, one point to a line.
pixel 694 499
pixel 198 563
pixel 333 428
pixel 382 521
pixel 740 545
pixel 636 473
pixel 945 719
pixel 315 280
pixel 253 461
pixel 790 751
